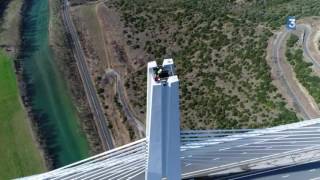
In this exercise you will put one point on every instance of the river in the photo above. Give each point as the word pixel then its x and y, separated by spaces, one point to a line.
pixel 51 100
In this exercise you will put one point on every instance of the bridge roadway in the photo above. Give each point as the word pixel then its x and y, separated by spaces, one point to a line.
pixel 99 117
pixel 205 153
pixel 301 171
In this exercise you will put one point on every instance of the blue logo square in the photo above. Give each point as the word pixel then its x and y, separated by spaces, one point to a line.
pixel 291 23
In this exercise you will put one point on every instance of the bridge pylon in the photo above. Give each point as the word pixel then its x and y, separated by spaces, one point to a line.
pixel 163 122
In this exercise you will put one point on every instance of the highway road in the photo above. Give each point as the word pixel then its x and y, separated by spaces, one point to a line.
pixel 306 104
pixel 100 119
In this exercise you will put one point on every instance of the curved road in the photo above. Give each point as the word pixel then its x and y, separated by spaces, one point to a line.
pixel 306 104
pixel 125 106
pixel 306 38
pixel 100 119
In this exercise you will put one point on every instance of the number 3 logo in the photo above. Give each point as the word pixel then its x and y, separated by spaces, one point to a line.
pixel 291 22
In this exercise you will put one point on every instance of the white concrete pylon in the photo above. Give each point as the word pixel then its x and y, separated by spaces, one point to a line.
pixel 163 124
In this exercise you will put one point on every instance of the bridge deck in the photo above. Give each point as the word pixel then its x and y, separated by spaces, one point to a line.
pixel 202 152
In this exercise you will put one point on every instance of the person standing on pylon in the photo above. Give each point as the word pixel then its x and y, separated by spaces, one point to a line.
pixel 158 70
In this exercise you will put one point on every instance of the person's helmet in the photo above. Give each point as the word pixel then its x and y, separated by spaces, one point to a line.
pixel 157 78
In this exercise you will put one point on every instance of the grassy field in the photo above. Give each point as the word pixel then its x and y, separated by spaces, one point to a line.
pixel 19 154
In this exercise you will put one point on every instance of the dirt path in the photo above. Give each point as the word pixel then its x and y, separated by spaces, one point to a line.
pixel 124 102
pixel 111 71
pixel 106 51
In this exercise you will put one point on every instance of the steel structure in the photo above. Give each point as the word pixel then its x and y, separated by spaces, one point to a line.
pixel 167 153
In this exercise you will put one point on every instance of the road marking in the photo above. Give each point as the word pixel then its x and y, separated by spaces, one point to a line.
pixel 312 170
pixel 285 176
pixel 317 178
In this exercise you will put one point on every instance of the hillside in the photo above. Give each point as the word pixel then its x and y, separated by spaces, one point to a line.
pixel 219 48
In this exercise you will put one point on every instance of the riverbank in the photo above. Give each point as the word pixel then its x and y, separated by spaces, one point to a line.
pixel 3 7
pixel 19 153
pixel 10 21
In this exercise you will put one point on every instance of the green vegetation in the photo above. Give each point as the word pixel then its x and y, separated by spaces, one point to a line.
pixel 19 154
pixel 220 52
pixel 302 68
pixel 293 39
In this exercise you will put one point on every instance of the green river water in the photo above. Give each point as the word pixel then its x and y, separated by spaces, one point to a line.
pixel 51 97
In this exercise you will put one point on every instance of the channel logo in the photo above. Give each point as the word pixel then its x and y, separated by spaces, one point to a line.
pixel 291 23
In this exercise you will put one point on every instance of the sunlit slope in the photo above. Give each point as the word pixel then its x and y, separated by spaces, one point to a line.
pixel 220 50
pixel 19 153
